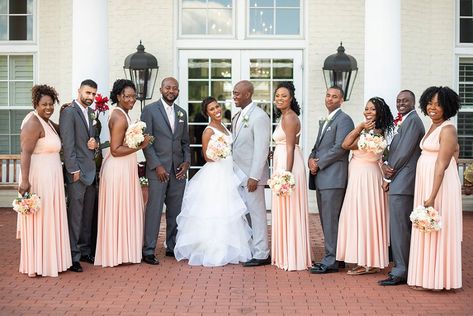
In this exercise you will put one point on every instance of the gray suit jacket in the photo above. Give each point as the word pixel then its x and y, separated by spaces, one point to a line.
pixel 169 149
pixel 333 159
pixel 251 146
pixel 404 152
pixel 74 136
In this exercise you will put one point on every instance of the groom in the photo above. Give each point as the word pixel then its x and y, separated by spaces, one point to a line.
pixel 251 133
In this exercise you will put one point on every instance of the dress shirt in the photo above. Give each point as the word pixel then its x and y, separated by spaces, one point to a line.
pixel 170 113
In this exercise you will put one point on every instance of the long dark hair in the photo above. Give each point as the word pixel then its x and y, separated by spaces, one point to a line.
pixel 294 104
pixel 384 117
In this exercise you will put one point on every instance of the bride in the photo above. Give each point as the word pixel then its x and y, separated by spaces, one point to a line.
pixel 212 229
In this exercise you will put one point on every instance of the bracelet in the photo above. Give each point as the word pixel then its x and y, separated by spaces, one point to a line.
pixel 387 180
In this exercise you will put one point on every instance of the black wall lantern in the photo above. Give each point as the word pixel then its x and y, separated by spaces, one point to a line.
pixel 142 68
pixel 340 70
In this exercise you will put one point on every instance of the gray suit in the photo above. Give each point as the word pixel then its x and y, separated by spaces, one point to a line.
pixel 169 150
pixel 404 152
pixel 331 179
pixel 80 194
pixel 250 157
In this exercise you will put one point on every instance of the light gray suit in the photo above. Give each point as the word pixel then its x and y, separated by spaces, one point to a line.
pixel 80 194
pixel 331 179
pixel 250 157
pixel 169 150
pixel 404 152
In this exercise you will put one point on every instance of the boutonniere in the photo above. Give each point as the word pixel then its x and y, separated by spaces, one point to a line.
pixel 180 115
pixel 245 120
pixel 93 117
pixel 323 120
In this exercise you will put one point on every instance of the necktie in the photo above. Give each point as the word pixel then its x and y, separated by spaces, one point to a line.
pixel 86 112
pixel 170 113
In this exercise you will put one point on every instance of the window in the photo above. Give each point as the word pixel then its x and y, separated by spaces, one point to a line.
pixel 465 116
pixel 206 17
pixel 274 17
pixel 16 20
pixel 16 80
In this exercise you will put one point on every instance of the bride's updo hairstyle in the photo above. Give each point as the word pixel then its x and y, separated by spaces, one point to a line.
pixel 205 103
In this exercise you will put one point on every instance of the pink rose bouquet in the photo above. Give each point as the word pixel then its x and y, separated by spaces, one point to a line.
pixel 218 148
pixel 425 219
pixel 29 203
pixel 372 142
pixel 282 182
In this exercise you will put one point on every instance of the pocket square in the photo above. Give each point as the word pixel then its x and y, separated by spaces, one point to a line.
pixel 329 128
pixel 181 121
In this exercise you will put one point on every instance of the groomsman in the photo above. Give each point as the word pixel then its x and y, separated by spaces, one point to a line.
pixel 167 162
pixel 399 172
pixel 79 145
pixel 251 128
pixel 328 165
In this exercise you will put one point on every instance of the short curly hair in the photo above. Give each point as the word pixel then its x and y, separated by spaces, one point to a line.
pixel 384 117
pixel 118 86
pixel 41 90
pixel 294 104
pixel 448 100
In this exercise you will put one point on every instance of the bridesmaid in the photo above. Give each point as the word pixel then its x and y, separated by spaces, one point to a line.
pixel 435 258
pixel 290 222
pixel 120 215
pixel 44 235
pixel 362 230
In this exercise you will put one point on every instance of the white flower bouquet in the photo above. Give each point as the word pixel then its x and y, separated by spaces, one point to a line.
pixel 135 134
pixel 218 148
pixel 372 142
pixel 144 181
pixel 29 203
pixel 425 219
pixel 282 182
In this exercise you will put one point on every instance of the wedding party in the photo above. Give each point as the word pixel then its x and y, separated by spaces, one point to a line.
pixel 223 157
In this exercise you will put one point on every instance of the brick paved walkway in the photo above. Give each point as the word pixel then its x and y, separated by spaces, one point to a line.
pixel 174 288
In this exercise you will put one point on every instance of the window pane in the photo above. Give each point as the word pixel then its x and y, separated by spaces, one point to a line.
pixel 194 21
pixel 16 118
pixel 221 90
pixel 198 90
pixel 466 8
pixel 4 144
pixel 287 3
pixel 3 68
pixel 196 157
pixel 202 4
pixel 4 122
pixel 3 93
pixel 29 28
pixel 260 68
pixel 20 93
pixel 18 29
pixel 262 91
pixel 18 6
pixel 3 7
pixel 287 21
pixel 261 3
pixel 220 3
pixel 198 68
pixel 3 28
pixel 21 67
pixel 15 144
pixel 29 8
pixel 220 21
pixel 283 69
pixel 466 94
pixel 465 134
pixel 261 21
pixel 466 70
pixel 221 68
pixel 466 30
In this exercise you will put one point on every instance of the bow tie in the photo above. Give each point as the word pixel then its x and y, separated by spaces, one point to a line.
pixel 398 119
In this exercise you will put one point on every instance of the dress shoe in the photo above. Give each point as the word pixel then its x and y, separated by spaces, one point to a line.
pixel 257 262
pixel 341 264
pixel 392 280
pixel 170 253
pixel 76 267
pixel 320 268
pixel 150 259
pixel 88 258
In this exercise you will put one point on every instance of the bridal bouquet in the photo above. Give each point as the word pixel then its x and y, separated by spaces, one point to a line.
pixel 372 142
pixel 425 219
pixel 135 134
pixel 218 148
pixel 282 182
pixel 27 204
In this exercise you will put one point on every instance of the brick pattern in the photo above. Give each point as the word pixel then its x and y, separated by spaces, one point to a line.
pixel 175 288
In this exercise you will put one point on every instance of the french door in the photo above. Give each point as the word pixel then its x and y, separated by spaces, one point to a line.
pixel 205 73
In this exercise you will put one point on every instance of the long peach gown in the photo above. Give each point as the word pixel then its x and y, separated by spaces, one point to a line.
pixel 435 258
pixel 120 214
pixel 363 226
pixel 290 243
pixel 45 248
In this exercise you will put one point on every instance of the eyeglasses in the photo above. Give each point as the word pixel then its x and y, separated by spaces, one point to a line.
pixel 129 97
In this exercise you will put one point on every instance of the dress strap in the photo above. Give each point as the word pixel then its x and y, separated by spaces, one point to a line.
pixel 47 126
pixel 119 108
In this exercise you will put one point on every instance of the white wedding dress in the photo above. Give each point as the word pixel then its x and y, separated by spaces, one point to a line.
pixel 212 228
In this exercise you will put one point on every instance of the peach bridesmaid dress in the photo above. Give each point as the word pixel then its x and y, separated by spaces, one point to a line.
pixel 435 258
pixel 45 248
pixel 290 243
pixel 120 214
pixel 363 227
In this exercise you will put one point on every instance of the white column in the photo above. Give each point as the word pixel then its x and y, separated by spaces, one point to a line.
pixel 383 50
pixel 90 48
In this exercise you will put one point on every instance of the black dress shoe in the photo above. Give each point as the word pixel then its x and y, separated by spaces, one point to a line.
pixel 257 262
pixel 393 280
pixel 76 267
pixel 88 258
pixel 170 253
pixel 341 264
pixel 320 268
pixel 150 259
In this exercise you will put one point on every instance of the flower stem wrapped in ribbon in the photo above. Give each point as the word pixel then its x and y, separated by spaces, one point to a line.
pixel 372 142
pixel 282 182
pixel 425 219
pixel 29 203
